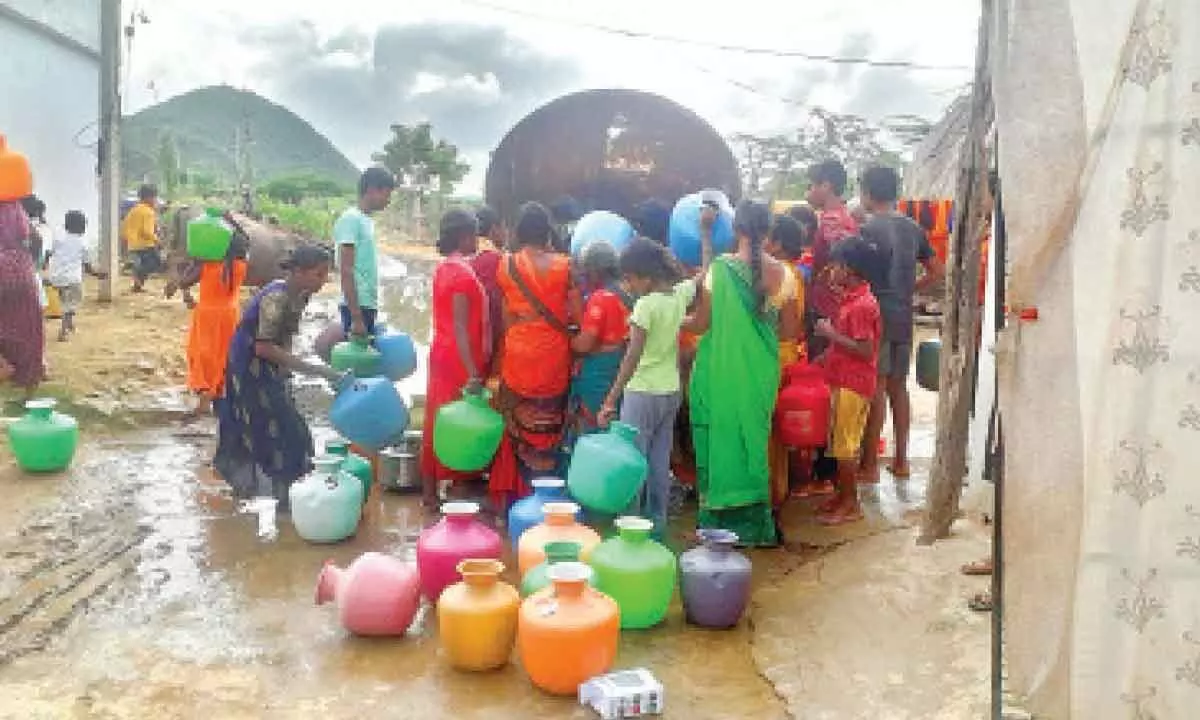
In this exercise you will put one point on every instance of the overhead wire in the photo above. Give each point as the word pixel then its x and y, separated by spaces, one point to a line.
pixel 723 47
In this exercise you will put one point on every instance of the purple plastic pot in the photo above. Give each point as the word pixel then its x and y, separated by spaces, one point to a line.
pixel 715 580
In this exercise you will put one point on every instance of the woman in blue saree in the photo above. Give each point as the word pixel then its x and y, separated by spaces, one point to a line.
pixel 264 444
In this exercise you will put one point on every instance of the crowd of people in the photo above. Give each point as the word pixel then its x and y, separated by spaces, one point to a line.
pixel 691 357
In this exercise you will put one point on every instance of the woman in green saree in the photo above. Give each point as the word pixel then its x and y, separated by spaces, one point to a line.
pixel 735 381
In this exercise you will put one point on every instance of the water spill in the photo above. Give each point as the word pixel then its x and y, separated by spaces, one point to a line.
pixel 142 590
pixel 191 605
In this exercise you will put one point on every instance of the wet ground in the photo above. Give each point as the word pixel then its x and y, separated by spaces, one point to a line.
pixel 132 587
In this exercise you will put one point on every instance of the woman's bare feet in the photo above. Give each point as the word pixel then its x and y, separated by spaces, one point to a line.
pixel 841 514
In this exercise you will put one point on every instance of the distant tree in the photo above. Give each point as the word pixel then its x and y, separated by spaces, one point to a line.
pixel 774 166
pixel 418 159
pixel 202 184
pixel 293 189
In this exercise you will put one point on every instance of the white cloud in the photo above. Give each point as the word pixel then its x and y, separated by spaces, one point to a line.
pixel 314 54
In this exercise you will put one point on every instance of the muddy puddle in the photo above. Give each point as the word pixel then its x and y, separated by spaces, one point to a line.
pixel 133 587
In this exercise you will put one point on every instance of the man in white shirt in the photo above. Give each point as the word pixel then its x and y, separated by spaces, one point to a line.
pixel 68 260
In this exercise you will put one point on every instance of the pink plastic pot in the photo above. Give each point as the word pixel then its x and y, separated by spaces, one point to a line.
pixel 377 595
pixel 456 537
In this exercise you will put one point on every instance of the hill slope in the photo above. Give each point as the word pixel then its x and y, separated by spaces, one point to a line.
pixel 204 124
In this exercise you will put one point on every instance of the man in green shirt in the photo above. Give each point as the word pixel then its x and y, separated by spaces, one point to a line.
pixel 358 263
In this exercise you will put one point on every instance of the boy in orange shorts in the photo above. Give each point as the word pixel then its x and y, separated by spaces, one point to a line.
pixel 851 369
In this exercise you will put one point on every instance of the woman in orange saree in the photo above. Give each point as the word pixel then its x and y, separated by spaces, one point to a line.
pixel 540 305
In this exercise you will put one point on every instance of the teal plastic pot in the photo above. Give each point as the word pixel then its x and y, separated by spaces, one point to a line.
pixel 607 470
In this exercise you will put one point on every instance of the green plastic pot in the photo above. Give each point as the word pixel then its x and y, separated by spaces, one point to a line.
pixel 637 572
pixel 357 356
pixel 559 551
pixel 353 463
pixel 43 441
pixel 467 432
pixel 209 236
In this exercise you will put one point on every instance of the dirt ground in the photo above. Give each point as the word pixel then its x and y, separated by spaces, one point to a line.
pixel 133 587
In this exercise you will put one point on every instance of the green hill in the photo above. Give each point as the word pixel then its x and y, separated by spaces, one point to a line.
pixel 203 126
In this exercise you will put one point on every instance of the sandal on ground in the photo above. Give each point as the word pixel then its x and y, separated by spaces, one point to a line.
pixel 978 568
pixel 980 602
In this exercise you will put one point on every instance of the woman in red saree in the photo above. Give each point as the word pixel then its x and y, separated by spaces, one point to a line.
pixel 540 305
pixel 461 344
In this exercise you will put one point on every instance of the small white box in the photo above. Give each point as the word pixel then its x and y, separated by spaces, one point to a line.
pixel 623 694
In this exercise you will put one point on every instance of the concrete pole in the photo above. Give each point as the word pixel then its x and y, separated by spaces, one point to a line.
pixel 110 144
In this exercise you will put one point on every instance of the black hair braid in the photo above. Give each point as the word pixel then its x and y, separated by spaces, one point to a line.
pixel 756 269
pixel 753 219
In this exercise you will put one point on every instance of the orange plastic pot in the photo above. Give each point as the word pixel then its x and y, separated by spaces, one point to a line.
pixel 477 618
pixel 16 180
pixel 568 632
pixel 559 525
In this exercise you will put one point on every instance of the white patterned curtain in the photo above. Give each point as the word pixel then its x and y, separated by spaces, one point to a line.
pixel 1098 119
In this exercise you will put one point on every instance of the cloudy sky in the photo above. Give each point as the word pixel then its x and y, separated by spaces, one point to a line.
pixel 473 68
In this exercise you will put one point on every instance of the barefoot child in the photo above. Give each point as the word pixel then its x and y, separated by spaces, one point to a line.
pixel 851 368
pixel 647 386
pixel 68 260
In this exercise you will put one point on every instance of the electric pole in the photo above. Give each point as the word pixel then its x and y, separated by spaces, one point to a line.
pixel 109 166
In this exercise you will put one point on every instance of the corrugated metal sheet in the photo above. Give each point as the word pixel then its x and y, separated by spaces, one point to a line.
pixel 609 149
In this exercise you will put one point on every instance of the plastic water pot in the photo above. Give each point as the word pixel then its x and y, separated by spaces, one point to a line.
pixel 560 526
pixel 477 617
pixel 802 411
pixel 369 413
pixel 567 633
pixel 467 432
pixel 603 226
pixel 456 537
pixel 637 572
pixel 43 441
pixel 929 364
pixel 352 462
pixel 326 503
pixel 715 580
pixel 684 233
pixel 208 236
pixel 528 511
pixel 556 552
pixel 16 180
pixel 397 355
pixel 357 356
pixel 378 595
pixel 607 469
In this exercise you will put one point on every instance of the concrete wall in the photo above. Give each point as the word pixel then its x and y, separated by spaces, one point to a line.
pixel 50 90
